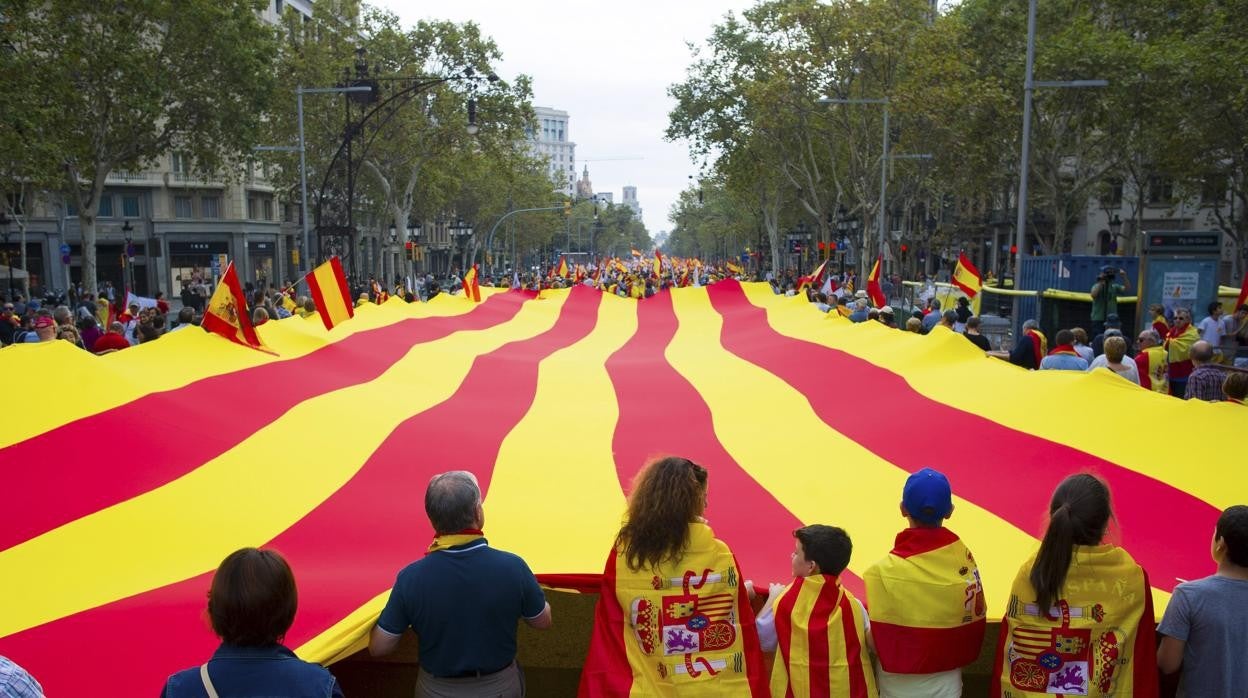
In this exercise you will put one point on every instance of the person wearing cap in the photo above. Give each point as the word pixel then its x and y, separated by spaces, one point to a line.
pixel 928 613
pixel 1112 324
pixel 887 317
pixel 1105 294
pixel 111 341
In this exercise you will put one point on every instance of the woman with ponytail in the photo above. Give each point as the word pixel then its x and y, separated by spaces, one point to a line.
pixel 673 617
pixel 1080 617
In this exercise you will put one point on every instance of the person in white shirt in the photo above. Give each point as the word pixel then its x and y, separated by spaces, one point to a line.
pixel 1212 329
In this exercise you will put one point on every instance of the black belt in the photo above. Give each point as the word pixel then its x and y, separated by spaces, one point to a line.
pixel 478 674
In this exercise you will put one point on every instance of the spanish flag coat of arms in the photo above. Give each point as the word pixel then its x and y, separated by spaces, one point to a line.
pixel 684 629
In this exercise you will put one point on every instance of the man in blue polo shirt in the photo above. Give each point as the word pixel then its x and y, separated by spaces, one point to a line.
pixel 464 600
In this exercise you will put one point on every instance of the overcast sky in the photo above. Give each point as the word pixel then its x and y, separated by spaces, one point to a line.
pixel 608 65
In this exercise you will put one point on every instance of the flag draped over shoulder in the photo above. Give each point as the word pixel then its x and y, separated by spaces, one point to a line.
pixel 328 285
pixel 873 284
pixel 927 603
pixel 821 641
pixel 1097 639
pixel 227 313
pixel 686 628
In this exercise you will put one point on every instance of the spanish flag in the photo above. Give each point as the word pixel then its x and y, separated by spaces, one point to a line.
pixel 684 629
pixel 227 313
pixel 328 286
pixel 873 284
pixel 822 647
pixel 735 268
pixel 966 276
pixel 815 279
pixel 472 289
pixel 1097 639
pixel 562 270
pixel 636 252
pixel 927 603
pixel 658 263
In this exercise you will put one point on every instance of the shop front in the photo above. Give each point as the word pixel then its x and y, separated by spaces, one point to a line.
pixel 262 256
pixel 193 262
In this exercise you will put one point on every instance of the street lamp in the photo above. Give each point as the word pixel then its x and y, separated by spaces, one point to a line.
pixel 128 230
pixel 8 262
pixel 300 91
pixel 1115 229
pixel 1029 88
pixel 461 231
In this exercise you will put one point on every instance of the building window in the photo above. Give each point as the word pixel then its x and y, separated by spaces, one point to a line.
pixel 181 163
pixel 130 206
pixel 253 207
pixel 106 206
pixel 1213 189
pixel 211 206
pixel 1111 192
pixel 277 7
pixel 268 209
pixel 182 207
pixel 1160 190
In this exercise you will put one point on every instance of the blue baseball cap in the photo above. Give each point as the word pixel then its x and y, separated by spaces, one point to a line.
pixel 927 496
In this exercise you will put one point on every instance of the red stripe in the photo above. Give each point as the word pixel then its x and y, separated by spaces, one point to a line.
pixel 344 552
pixel 104 476
pixel 635 371
pixel 606 673
pixel 853 650
pixel 341 277
pixel 1144 676
pixel 784 630
pixel 318 297
pixel 907 649
pixel 818 640
pixel 1018 494
pixel 916 541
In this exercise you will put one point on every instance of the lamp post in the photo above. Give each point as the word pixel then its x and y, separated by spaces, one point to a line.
pixel 1029 88
pixel 413 247
pixel 8 262
pixel 461 231
pixel 1115 229
pixel 128 230
pixel 304 259
pixel 883 155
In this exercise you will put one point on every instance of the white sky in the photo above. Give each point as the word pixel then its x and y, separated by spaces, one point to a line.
pixel 608 65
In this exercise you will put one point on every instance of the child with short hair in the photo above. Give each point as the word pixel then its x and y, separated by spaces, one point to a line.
pixel 926 598
pixel 1203 628
pixel 821 631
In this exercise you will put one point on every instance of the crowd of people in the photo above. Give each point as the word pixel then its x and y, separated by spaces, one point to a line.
pixel 676 615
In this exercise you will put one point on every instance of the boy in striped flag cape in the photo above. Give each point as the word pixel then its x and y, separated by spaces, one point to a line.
pixel 816 625
pixel 927 603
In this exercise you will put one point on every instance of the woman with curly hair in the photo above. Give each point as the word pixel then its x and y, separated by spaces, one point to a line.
pixel 673 616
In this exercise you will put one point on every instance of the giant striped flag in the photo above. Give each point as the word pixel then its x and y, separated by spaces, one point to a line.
pixel 317 453
pixel 328 285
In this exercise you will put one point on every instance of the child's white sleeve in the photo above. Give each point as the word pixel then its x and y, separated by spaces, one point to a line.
pixel 765 622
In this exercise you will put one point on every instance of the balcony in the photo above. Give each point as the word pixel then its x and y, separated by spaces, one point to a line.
pixel 193 179
pixel 151 177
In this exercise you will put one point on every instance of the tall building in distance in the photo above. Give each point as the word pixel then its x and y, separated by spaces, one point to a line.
pixel 550 138
pixel 630 200
pixel 605 197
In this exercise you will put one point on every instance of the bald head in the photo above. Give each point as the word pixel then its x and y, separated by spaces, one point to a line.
pixel 1202 352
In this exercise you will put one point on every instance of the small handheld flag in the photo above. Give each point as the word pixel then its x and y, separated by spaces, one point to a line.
pixel 227 313
pixel 328 287
pixel 874 290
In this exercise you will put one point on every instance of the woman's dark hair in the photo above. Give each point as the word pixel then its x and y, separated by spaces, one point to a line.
pixel 253 599
pixel 1078 515
pixel 668 494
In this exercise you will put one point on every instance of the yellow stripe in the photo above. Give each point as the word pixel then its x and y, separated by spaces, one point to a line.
pixel 575 436
pixel 950 370
pixel 228 503
pixel 335 305
pixel 61 383
pixel 797 468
